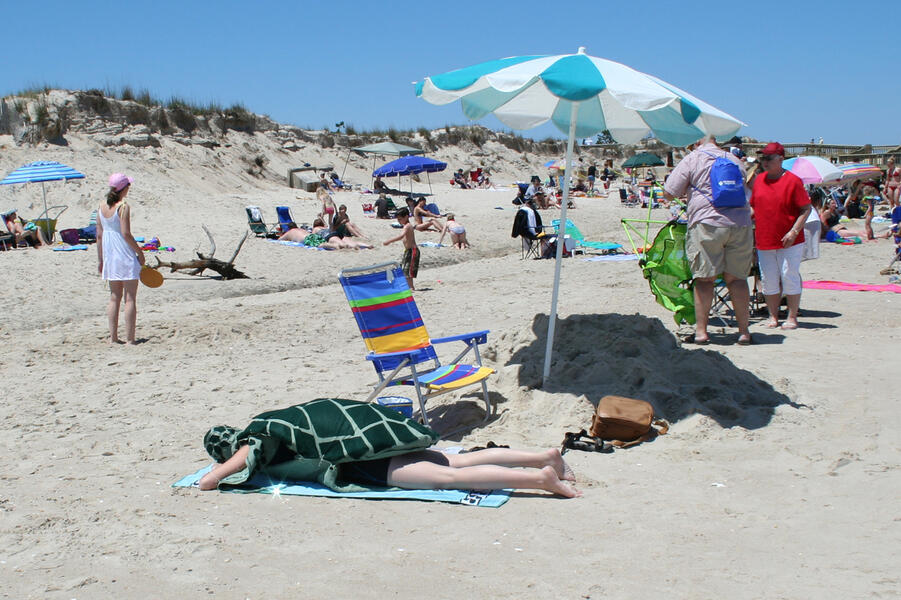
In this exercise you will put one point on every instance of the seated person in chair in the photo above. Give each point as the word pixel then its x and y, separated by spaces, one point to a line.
pixel 536 192
pixel 29 233
pixel 460 179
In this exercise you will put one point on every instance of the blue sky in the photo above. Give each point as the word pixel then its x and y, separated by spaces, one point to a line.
pixel 792 71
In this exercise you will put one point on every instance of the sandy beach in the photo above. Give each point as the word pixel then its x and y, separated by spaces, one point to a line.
pixel 779 477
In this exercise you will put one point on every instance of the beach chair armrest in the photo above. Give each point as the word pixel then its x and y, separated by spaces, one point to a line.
pixel 480 337
pixel 372 356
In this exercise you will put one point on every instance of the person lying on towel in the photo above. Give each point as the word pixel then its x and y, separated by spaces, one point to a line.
pixel 323 441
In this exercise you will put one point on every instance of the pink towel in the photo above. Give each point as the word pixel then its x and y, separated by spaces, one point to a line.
pixel 852 287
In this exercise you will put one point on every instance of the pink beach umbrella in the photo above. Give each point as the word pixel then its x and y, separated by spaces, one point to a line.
pixel 813 169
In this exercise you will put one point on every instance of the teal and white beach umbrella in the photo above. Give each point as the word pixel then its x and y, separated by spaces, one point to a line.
pixel 582 95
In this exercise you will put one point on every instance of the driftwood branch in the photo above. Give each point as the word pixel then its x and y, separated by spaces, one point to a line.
pixel 206 261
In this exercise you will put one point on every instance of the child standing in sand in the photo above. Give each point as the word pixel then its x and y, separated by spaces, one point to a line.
pixel 411 250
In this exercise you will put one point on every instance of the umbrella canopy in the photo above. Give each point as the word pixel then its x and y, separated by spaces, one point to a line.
pixel 527 91
pixel 41 171
pixel 853 171
pixel 389 148
pixel 582 95
pixel 409 165
pixel 812 169
pixel 645 159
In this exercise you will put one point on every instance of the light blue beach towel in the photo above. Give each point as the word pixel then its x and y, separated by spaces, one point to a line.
pixel 260 484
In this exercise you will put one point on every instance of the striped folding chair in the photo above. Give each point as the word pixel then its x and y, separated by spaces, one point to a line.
pixel 398 342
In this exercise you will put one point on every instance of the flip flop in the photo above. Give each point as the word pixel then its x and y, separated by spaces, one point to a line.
pixel 574 441
pixel 789 326
pixel 691 339
pixel 745 341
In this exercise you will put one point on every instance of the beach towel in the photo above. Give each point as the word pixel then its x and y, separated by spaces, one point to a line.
pixel 262 485
pixel 432 245
pixel 297 245
pixel 69 248
pixel 851 287
pixel 612 257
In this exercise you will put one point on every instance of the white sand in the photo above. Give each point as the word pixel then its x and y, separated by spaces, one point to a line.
pixel 779 478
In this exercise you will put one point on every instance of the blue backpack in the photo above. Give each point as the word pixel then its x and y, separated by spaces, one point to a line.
pixel 726 183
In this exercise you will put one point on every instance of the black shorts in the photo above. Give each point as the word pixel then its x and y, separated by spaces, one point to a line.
pixel 366 472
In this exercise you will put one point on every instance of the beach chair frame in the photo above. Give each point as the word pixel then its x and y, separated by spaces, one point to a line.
pixel 258 226
pixel 402 365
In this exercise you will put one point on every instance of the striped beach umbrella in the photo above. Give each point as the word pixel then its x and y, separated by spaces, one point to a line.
pixel 581 95
pixel 853 171
pixel 813 169
pixel 39 172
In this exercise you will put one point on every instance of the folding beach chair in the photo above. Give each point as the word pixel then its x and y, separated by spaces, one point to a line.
pixel 665 265
pixel 47 221
pixel 398 342
pixel 285 220
pixel 256 223
pixel 581 244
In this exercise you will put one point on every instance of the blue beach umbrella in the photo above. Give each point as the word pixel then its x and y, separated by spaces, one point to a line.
pixel 409 165
pixel 582 95
pixel 39 172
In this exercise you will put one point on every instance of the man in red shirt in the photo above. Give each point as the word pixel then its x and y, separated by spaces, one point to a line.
pixel 780 206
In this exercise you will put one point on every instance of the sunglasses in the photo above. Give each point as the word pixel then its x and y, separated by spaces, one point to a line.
pixel 769 157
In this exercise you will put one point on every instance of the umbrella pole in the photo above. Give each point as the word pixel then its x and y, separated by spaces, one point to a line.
pixel 344 170
pixel 46 214
pixel 429 179
pixel 561 234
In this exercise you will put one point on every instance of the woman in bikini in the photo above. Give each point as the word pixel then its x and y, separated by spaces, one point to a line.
pixel 892 183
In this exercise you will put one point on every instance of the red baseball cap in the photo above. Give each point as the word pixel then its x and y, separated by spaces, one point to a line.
pixel 773 148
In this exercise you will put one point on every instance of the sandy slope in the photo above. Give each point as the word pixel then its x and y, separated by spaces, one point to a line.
pixel 779 478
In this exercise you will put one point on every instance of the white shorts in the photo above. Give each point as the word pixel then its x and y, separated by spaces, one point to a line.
pixel 780 270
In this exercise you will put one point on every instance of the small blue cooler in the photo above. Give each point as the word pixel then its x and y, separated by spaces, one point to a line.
pixel 402 405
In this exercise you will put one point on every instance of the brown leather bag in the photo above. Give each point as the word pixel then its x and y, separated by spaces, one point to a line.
pixel 626 421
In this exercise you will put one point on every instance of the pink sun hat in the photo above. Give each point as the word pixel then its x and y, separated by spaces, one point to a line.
pixel 120 181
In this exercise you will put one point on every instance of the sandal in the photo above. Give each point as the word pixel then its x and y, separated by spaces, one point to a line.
pixel 574 441
pixel 745 340
pixel 692 339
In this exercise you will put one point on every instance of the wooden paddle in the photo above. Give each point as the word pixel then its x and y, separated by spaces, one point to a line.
pixel 151 277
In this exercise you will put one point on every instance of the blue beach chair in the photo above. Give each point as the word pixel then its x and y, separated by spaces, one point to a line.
pixel 285 220
pixel 398 342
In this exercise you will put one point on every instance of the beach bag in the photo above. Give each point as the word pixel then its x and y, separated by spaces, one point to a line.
pixel 625 421
pixel 726 184
pixel 69 236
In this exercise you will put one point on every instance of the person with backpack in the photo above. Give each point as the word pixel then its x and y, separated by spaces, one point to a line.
pixel 720 236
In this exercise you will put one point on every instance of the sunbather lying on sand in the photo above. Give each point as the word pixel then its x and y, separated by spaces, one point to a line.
pixel 260 447
pixel 320 237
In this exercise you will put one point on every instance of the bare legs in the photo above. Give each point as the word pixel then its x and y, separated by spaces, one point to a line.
pixel 741 301
pixel 484 470
pixel 772 305
pixel 703 293
pixel 741 304
pixel 118 290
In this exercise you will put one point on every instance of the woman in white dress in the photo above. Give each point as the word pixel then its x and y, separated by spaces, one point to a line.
pixel 120 256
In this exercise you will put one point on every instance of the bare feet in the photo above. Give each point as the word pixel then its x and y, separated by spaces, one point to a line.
pixel 772 324
pixel 552 483
pixel 563 470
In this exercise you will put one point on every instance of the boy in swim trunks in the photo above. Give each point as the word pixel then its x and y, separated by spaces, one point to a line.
pixel 411 250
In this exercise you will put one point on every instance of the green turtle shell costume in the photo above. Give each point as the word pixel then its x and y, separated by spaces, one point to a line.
pixel 308 441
